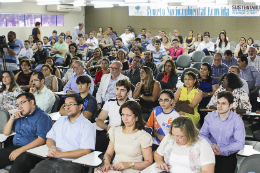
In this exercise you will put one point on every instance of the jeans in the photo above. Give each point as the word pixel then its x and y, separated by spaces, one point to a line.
pixel 22 164
pixel 38 68
pixel 53 165
pixel 58 60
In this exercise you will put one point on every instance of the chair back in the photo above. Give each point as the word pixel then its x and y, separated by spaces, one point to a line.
pixel 4 117
pixel 197 56
pixel 233 43
pixel 214 40
pixel 232 49
pixel 55 107
pixel 183 61
pixel 250 164
pixel 208 59
pixel 188 69
pixel 196 65
pixel 60 87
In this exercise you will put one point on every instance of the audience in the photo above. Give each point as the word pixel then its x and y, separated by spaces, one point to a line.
pixel 253 59
pixel 39 57
pixel 175 51
pixel 70 72
pixel 104 70
pixel 232 83
pixel 73 52
pixel 53 41
pixel 149 37
pixel 134 73
pixel 94 63
pixel 168 78
pixel 92 43
pixel 218 68
pixel 68 40
pixel 137 52
pixel 144 41
pixel 55 71
pixel 130 143
pixel 32 42
pixel 147 91
pixel 38 124
pixel 148 62
pixel 82 48
pixel 138 43
pixel 250 43
pixel 22 78
pixel 143 32
pixel 59 49
pixel 100 34
pixel 44 97
pixel 9 91
pixel 161 117
pixel 111 34
pixel 50 81
pixel 228 59
pixel 189 92
pixel 106 43
pixel 183 150
pixel 26 51
pixel 225 132
pixel 71 137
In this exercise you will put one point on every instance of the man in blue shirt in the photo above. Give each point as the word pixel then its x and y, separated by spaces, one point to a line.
pixel 143 32
pixel 31 125
pixel 71 137
pixel 228 59
pixel 218 68
pixel 144 42
pixel 55 35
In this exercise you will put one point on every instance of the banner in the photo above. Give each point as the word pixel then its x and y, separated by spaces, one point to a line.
pixel 189 11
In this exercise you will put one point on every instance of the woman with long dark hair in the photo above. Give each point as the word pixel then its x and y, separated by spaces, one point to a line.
pixel 223 44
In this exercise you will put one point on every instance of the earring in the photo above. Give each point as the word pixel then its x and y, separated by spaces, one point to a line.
pixel 136 119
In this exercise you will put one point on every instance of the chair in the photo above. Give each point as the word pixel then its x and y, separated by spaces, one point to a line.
pixel 4 116
pixel 250 163
pixel 197 56
pixel 196 65
pixel 208 59
pixel 60 84
pixel 256 42
pixel 232 49
pixel 233 43
pixel 214 40
pixel 186 70
pixel 183 61
pixel 55 107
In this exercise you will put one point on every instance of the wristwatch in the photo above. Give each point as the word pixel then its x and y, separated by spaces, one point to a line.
pixel 208 94
pixel 133 164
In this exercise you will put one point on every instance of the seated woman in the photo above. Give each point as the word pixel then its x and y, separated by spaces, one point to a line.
pixel 180 39
pixel 130 142
pixel 106 43
pixel 100 34
pixel 22 78
pixel 250 43
pixel 188 41
pixel 189 91
pixel 70 72
pixel 168 78
pixel 195 44
pixel 55 71
pixel 232 83
pixel 161 117
pixel 53 41
pixel 73 52
pixel 50 81
pixel 121 56
pixel 223 43
pixel 208 86
pixel 105 70
pixel 166 43
pixel 183 150
pixel 32 44
pixel 242 51
pixel 241 41
pixel 82 48
pixel 94 63
pixel 9 91
pixel 147 91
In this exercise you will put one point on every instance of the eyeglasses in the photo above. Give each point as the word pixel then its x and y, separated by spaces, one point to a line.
pixel 114 68
pixel 46 69
pixel 136 61
pixel 24 65
pixel 180 138
pixel 164 100
pixel 21 103
pixel 96 51
pixel 77 67
pixel 223 103
pixel 188 79
pixel 69 105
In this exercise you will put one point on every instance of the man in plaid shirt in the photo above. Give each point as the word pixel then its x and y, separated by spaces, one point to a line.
pixel 218 68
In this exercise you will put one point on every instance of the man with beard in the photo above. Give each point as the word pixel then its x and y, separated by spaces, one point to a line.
pixel 71 137
pixel 134 73
pixel 253 59
pixel 11 50
pixel 39 57
pixel 59 49
pixel 148 61
pixel 31 125
pixel 44 97
pixel 113 54
pixel 111 110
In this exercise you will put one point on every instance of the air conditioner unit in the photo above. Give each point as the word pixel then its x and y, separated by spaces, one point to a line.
pixel 63 8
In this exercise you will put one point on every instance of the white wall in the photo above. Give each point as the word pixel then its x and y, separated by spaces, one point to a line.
pixel 71 19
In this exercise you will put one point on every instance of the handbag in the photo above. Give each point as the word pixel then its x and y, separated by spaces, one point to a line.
pixel 183 106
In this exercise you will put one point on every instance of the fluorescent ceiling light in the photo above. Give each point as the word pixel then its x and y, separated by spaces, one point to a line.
pixel 207 1
pixel 222 2
pixel 251 0
pixel 135 4
pixel 136 1
pixel 11 0
pixel 48 3
pixel 104 6
pixel 79 4
pixel 102 3
pixel 189 3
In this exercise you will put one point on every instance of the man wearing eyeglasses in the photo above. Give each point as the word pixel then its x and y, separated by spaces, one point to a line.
pixel 31 124
pixel 44 97
pixel 71 137
pixel 225 132
pixel 39 57
pixel 26 51
pixel 59 49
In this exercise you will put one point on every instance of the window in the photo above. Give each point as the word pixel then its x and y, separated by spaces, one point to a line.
pixel 29 20
pixel 37 18
pixel 48 20
pixel 60 20
pixel 2 20
pixel 15 20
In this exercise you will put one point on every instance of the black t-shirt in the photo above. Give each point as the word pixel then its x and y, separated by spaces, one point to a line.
pixel 35 31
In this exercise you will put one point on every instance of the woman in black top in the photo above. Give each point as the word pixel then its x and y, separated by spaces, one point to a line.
pixel 55 71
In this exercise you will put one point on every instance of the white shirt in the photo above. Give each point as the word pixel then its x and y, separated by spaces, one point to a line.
pixel 27 52
pixel 151 47
pixel 68 75
pixel 126 37
pixel 255 63
pixel 45 99
pixel 245 85
pixel 209 46
pixel 94 41
pixel 223 48
pixel 75 33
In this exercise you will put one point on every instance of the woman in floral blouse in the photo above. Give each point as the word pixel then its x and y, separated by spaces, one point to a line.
pixel 232 83
pixel 9 91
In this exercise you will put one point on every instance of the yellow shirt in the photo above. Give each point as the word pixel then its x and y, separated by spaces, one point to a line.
pixel 184 96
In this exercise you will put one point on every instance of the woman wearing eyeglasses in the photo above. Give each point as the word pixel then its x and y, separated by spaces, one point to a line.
pixel 161 117
pixel 9 91
pixel 95 63
pixel 50 81
pixel 183 150
pixel 22 78
pixel 189 91
pixel 55 71
pixel 242 51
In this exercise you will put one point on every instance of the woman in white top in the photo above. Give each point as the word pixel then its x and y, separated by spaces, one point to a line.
pixel 241 41
pixel 223 43
pixel 183 150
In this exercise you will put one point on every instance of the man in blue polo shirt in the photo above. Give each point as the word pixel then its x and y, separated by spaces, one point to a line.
pixel 11 50
pixel 31 125
pixel 218 68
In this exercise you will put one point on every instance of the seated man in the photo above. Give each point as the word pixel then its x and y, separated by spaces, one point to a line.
pixel 175 51
pixel 72 87
pixel 90 103
pixel 107 87
pixel 37 124
pixel 228 59
pixel 119 44
pixel 44 97
pixel 71 137
pixel 126 37
pixel 144 42
pixel 253 59
pixel 225 132
pixel 218 68
pixel 143 32
pixel 206 46
pixel 113 54
pixel 68 40
pixel 138 42
pixel 40 55
pixel 134 73
pixel 111 110
pixel 159 55
pixel 54 34
pixel 149 62
pixel 59 49
pixel 26 51
pixel 46 44
pixel 92 43
pixel 151 45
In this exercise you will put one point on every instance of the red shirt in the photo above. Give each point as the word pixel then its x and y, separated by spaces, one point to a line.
pixel 98 76
pixel 174 54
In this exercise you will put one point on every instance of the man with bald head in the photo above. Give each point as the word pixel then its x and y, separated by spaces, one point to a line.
pixel 175 35
pixel 253 59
